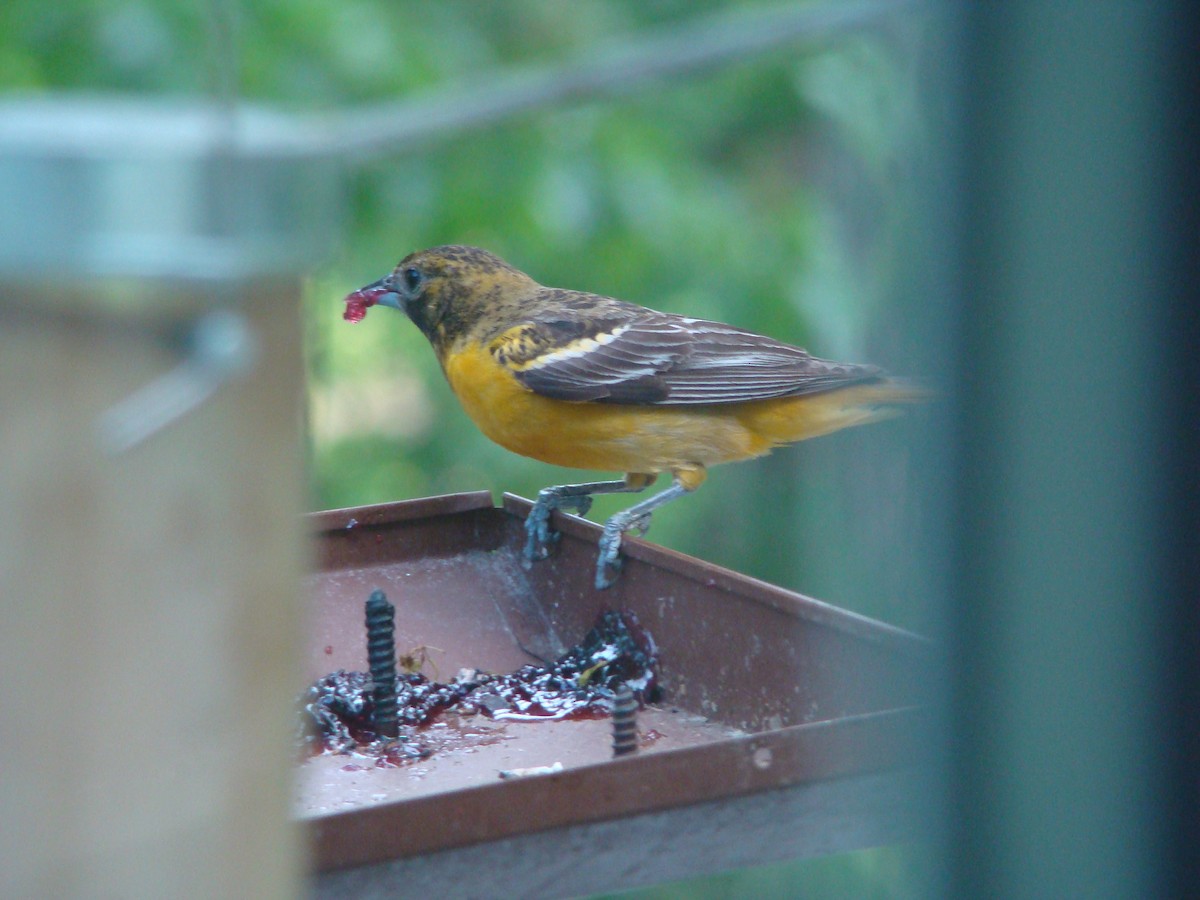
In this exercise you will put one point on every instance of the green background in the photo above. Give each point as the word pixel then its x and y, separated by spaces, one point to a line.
pixel 776 193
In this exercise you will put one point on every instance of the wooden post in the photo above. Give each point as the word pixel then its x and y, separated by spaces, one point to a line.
pixel 150 596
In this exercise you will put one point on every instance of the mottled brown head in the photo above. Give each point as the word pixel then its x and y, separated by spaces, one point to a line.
pixel 453 291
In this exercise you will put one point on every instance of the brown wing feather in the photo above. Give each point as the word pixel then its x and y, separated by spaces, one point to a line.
pixel 636 356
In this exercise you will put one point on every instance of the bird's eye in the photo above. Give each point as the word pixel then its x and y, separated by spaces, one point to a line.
pixel 412 279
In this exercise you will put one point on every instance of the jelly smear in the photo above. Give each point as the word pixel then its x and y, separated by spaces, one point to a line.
pixel 337 710
pixel 358 302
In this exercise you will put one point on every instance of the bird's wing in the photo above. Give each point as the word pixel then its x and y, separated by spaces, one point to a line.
pixel 635 356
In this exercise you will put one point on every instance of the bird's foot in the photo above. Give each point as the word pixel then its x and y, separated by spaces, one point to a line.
pixel 609 562
pixel 640 525
pixel 540 538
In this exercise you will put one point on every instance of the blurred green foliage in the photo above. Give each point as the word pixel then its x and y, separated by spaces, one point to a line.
pixel 774 194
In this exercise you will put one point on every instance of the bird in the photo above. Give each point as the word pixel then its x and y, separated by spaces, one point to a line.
pixel 587 381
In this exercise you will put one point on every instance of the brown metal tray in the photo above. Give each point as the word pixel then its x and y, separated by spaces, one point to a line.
pixel 817 706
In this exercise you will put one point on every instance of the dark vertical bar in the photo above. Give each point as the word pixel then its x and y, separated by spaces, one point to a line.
pixel 1070 749
pixel 1181 740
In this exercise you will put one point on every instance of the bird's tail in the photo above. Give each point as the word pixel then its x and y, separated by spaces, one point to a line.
pixel 786 421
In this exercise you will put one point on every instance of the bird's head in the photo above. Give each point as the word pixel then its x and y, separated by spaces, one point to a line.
pixel 446 291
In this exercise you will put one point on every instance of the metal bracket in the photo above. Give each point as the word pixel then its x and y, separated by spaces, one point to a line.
pixel 220 347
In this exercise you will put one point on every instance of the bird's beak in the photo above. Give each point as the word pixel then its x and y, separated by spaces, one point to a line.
pixel 377 293
pixel 382 294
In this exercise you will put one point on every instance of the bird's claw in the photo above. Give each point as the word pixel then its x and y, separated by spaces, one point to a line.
pixel 640 525
pixel 603 569
pixel 579 504
pixel 540 538
pixel 609 562
pixel 537 549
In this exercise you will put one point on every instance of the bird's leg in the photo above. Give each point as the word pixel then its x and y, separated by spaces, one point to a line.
pixel 577 497
pixel 637 517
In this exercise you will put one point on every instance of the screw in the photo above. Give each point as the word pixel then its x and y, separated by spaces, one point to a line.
pixel 624 722
pixel 381 655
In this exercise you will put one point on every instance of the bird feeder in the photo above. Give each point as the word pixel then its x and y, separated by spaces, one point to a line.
pixel 785 727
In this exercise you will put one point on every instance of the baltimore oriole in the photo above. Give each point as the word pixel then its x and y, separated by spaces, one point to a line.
pixel 590 382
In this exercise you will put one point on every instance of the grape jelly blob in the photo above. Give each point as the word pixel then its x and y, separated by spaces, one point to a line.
pixel 358 302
